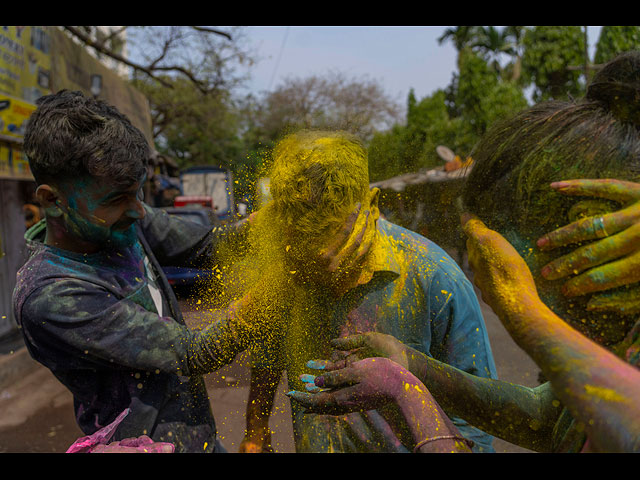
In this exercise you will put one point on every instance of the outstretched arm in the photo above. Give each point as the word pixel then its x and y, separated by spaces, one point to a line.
pixel 600 389
pixel 520 415
pixel 383 385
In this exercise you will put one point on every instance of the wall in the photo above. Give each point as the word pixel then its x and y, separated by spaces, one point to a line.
pixel 12 227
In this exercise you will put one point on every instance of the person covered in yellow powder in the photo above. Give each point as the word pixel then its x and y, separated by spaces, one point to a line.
pixel 576 314
pixel 400 284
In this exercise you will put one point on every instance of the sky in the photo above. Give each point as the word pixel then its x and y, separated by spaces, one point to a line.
pixel 399 58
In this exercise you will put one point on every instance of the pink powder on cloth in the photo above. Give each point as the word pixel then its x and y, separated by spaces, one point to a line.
pixel 98 442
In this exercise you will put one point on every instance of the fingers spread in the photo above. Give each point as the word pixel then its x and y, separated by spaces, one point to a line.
pixel 344 257
pixel 591 228
pixel 611 275
pixel 343 236
pixel 611 189
pixel 594 254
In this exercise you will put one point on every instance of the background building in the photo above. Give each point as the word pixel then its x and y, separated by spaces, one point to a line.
pixel 36 61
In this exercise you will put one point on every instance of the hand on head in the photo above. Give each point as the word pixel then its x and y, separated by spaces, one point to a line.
pixel 612 258
pixel 345 256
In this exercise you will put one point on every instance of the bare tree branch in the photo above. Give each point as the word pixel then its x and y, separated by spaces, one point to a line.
pixel 213 30
pixel 113 34
pixel 165 50
pixel 100 48
pixel 84 34
pixel 176 68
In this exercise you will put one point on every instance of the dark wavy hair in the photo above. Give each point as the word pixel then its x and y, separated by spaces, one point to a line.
pixel 70 135
pixel 596 137
pixel 514 163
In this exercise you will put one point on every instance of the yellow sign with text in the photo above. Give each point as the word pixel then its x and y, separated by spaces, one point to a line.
pixel 13 163
pixel 25 62
pixel 13 116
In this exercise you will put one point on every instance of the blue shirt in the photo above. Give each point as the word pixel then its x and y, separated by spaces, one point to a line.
pixel 418 294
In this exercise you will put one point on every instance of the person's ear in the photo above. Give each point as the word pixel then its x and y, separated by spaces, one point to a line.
pixel 374 197
pixel 49 199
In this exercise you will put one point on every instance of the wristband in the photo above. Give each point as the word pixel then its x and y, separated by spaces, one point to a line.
pixel 469 443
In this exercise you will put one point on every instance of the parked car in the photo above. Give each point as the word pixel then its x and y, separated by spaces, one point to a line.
pixel 183 277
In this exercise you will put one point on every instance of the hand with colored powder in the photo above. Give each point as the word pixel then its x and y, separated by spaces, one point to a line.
pixel 344 258
pixel 357 347
pixel 501 274
pixel 612 259
pixel 383 385
pixel 599 388
pixel 142 444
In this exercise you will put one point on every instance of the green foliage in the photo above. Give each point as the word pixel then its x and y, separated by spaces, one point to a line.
pixel 431 124
pixel 411 147
pixel 456 118
pixel 476 81
pixel 495 67
pixel 552 61
pixel 198 129
pixel 614 40
pixel 482 97
pixel 387 152
pixel 461 36
pixel 190 126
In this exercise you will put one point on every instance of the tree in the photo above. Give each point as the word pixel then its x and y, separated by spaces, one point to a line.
pixel 551 61
pixel 188 74
pixel 491 43
pixel 461 36
pixel 330 101
pixel 614 40
pixel 455 117
pixel 203 55
pixel 482 96
pixel 411 147
pixel 511 47
pixel 358 105
pixel 190 126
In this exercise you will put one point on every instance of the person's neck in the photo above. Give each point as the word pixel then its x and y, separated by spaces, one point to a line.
pixel 58 236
